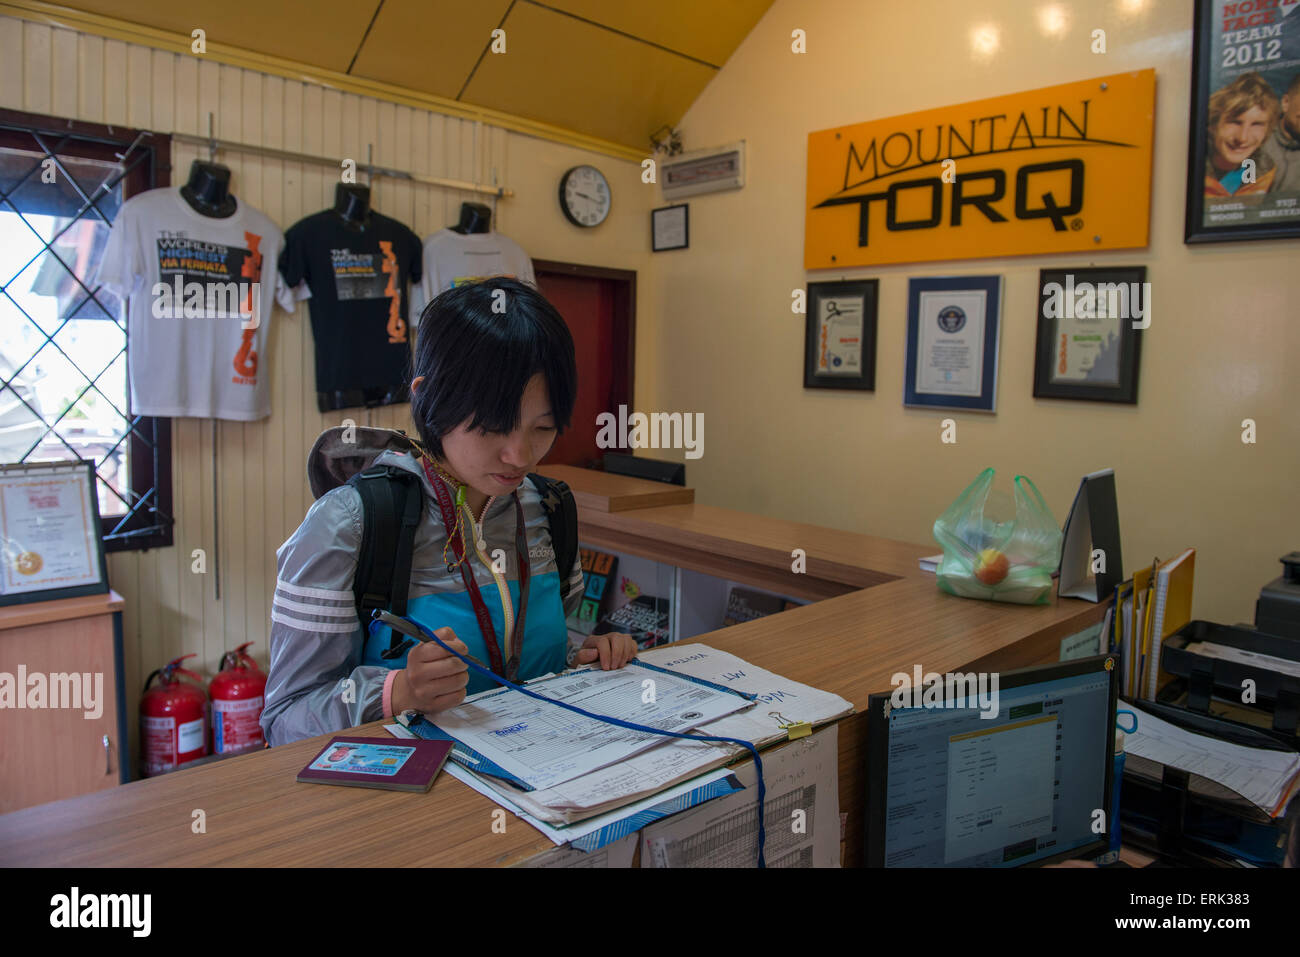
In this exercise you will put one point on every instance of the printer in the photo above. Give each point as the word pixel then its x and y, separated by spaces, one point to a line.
pixel 1277 611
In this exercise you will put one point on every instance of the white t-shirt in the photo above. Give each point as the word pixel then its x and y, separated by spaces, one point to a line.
pixel 201 295
pixel 451 259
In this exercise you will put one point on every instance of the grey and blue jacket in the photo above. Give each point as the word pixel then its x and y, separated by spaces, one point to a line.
pixel 326 672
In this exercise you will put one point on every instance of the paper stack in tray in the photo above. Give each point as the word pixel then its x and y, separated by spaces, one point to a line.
pixel 660 762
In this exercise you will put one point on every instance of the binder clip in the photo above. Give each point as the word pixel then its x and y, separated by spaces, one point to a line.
pixel 793 729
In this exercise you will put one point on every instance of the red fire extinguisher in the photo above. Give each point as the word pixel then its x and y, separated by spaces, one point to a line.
pixel 238 692
pixel 173 719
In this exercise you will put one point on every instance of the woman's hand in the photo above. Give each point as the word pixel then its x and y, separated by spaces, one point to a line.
pixel 433 679
pixel 613 650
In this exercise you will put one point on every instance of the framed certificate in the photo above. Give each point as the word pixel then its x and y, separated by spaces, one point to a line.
pixel 50 540
pixel 1090 333
pixel 952 343
pixel 670 228
pixel 840 335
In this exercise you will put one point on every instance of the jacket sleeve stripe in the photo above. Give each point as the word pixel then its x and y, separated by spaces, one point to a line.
pixel 304 592
pixel 332 611
pixel 330 627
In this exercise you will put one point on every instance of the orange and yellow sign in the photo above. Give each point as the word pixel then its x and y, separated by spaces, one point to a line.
pixel 1062 169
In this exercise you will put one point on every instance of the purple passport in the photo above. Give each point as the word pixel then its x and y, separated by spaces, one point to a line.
pixel 397 764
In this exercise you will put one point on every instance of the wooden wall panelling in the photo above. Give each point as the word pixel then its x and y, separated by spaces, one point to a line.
pixel 169 609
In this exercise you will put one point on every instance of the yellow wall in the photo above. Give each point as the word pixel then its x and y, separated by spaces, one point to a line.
pixel 262 465
pixel 1218 350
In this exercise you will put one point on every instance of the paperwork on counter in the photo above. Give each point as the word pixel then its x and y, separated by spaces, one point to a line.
pixel 540 745
pixel 597 832
pixel 777 703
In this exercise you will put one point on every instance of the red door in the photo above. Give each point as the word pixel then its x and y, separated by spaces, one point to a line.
pixel 597 305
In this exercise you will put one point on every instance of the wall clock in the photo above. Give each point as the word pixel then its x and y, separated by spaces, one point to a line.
pixel 584 196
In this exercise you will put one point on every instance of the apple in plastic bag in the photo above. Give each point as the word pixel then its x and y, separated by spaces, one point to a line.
pixel 992 566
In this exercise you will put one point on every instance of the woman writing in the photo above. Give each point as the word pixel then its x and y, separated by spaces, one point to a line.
pixel 495 382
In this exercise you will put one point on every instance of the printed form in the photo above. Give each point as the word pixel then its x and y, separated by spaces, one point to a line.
pixel 801 815
pixel 999 786
pixel 779 701
pixel 1266 779
pixel 544 745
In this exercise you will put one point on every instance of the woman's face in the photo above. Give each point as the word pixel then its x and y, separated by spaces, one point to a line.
pixel 1236 138
pixel 497 464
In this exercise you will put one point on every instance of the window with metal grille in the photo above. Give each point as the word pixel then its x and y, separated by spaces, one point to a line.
pixel 63 339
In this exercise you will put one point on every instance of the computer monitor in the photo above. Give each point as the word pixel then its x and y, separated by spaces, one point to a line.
pixel 1005 774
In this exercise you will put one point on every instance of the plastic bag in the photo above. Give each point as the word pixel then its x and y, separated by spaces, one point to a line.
pixel 1010 561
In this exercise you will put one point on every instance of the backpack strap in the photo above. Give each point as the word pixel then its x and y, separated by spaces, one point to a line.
pixel 562 516
pixel 391 500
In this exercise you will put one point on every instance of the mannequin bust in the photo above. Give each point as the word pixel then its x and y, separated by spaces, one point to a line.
pixel 352 204
pixel 474 218
pixel 208 190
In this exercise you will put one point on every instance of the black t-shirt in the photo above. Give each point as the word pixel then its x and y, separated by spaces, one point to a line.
pixel 358 281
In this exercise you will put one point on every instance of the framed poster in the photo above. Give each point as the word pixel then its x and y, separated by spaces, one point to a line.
pixel 840 335
pixel 670 228
pixel 952 343
pixel 1243 172
pixel 50 540
pixel 1090 324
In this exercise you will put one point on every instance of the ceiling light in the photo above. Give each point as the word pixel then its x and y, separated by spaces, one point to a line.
pixel 984 40
pixel 1053 20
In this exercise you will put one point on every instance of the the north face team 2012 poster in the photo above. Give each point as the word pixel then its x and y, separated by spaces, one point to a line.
pixel 1244 180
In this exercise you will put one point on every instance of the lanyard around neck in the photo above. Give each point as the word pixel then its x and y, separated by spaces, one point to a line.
pixel 508 669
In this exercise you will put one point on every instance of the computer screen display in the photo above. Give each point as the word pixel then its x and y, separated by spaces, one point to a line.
pixel 1016 773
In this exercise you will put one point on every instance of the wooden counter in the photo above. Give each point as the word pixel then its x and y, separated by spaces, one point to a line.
pixel 606 492
pixel 850 644
pixel 757 550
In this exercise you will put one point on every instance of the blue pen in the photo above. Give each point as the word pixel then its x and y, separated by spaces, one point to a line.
pixel 1117 772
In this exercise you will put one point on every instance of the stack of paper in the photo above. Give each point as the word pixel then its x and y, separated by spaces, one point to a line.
pixel 1252 659
pixel 578 769
pixel 1267 779
pixel 802 781
pixel 541 746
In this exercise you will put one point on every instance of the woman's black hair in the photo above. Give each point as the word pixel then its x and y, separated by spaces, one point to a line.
pixel 478 344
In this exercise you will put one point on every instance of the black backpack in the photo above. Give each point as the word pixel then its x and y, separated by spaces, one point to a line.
pixel 391 501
